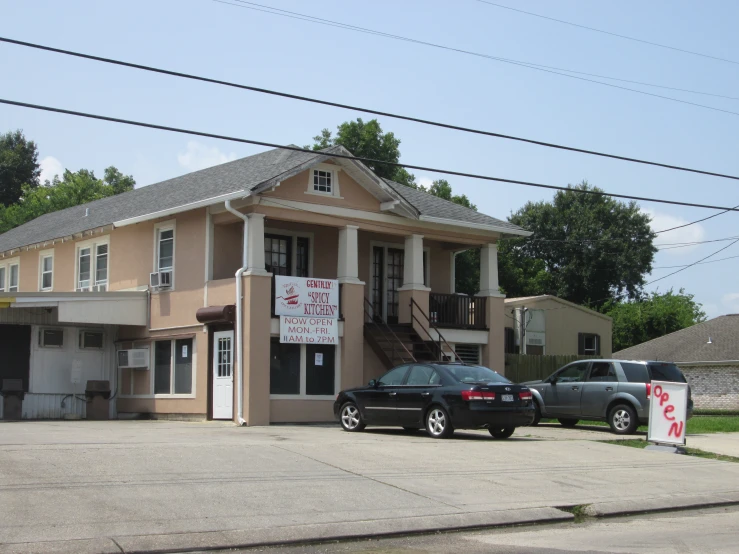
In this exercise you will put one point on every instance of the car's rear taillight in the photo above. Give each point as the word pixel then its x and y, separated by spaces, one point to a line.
pixel 477 395
pixel 525 395
pixel 649 389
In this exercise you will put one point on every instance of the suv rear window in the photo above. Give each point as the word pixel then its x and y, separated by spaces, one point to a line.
pixel 635 373
pixel 666 372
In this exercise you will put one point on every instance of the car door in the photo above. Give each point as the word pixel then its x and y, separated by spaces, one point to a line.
pixel 415 395
pixel 380 405
pixel 601 384
pixel 563 396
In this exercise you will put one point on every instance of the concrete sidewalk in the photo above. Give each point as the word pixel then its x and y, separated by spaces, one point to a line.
pixel 718 443
pixel 79 486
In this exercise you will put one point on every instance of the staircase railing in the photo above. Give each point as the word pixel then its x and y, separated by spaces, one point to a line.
pixel 431 324
pixel 385 330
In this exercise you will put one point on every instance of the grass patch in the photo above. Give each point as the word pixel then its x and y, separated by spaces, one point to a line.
pixel 641 443
pixel 577 511
pixel 698 425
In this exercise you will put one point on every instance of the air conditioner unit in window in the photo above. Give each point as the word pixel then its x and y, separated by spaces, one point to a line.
pixel 161 279
pixel 136 358
pixel 100 288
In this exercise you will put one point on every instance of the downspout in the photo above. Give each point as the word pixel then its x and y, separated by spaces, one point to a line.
pixel 240 321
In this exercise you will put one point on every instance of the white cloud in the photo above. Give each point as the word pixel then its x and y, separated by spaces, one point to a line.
pixel 692 233
pixel 425 182
pixel 730 303
pixel 199 156
pixel 50 167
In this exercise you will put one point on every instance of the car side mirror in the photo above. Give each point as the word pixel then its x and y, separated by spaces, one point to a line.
pixel 372 383
pixel 553 380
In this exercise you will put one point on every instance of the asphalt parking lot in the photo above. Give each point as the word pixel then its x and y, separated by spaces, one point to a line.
pixel 144 485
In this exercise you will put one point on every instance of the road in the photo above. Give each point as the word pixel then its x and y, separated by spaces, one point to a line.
pixel 704 531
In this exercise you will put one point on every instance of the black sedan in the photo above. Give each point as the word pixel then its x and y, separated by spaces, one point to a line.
pixel 440 397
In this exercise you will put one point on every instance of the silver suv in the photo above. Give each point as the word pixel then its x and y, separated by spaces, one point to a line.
pixel 615 391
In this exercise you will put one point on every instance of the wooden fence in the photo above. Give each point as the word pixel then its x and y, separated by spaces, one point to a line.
pixel 526 367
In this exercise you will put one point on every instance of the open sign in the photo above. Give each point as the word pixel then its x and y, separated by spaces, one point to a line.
pixel 668 413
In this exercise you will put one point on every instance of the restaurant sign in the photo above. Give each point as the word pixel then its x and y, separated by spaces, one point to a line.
pixel 302 296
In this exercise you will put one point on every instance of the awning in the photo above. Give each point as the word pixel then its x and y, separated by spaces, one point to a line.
pixel 102 308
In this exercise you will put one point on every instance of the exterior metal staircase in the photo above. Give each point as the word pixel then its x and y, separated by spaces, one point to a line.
pixel 400 343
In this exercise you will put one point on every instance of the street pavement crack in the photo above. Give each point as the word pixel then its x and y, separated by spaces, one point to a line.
pixel 368 478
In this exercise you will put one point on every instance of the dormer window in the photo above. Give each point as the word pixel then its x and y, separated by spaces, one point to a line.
pixel 323 180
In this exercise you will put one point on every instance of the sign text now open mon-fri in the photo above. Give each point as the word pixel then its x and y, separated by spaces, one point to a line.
pixel 308 309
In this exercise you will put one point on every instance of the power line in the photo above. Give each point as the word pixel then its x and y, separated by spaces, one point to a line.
pixel 355 158
pixel 696 221
pixel 322 21
pixel 699 263
pixel 610 33
pixel 694 263
pixel 663 246
pixel 359 109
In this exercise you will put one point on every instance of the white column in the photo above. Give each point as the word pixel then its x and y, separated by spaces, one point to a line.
pixel 413 264
pixel 348 266
pixel 255 245
pixel 489 270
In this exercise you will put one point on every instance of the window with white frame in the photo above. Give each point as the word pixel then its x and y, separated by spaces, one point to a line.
pixel 92 264
pixel 101 267
pixel 307 371
pixel 2 279
pixel 323 179
pixel 51 338
pixel 13 277
pixel 173 366
pixel 46 272
pixel 165 249
pixel 91 340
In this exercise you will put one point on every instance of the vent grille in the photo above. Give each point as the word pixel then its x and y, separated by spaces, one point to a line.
pixel 470 353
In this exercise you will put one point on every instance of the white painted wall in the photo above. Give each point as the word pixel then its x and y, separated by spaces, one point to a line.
pixel 51 368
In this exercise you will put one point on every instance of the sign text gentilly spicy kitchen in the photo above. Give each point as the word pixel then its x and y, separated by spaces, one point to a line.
pixel 302 296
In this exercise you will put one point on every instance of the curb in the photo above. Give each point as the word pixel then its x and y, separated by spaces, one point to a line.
pixel 292 535
pixel 660 504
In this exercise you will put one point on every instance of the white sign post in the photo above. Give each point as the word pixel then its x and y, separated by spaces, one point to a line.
pixel 668 413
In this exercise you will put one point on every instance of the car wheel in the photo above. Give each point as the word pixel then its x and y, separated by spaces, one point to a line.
pixel 499 433
pixel 351 419
pixel 568 422
pixel 623 419
pixel 537 415
pixel 438 423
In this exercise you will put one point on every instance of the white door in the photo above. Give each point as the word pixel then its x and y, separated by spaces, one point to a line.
pixel 223 375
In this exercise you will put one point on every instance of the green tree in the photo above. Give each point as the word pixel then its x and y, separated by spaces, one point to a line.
pixel 18 166
pixel 73 189
pixel 443 189
pixel 586 248
pixel 651 317
pixel 367 140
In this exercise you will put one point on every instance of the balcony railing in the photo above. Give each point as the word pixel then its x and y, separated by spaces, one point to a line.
pixel 457 311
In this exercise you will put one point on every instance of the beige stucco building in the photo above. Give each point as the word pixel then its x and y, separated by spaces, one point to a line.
pixel 550 325
pixel 117 290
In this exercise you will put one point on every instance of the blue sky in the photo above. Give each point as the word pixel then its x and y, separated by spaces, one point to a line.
pixel 209 38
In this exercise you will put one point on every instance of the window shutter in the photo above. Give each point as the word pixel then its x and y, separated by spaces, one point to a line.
pixel 597 345
pixel 581 343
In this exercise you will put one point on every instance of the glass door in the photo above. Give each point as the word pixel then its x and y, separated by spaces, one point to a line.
pixel 393 281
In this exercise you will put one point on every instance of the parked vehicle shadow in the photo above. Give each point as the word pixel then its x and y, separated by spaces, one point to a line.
pixel 588 427
pixel 458 435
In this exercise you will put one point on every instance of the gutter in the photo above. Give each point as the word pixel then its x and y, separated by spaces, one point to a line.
pixel 240 320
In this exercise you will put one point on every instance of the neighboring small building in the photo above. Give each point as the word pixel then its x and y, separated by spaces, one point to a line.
pixel 708 355
pixel 549 325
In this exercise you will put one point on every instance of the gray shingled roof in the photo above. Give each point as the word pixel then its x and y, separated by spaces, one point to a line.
pixel 691 344
pixel 433 206
pixel 242 174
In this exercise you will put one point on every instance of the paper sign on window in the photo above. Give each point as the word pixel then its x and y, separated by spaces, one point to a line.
pixel 319 358
pixel 184 351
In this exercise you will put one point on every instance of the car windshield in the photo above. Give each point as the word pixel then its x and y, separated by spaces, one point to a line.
pixel 666 372
pixel 475 374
